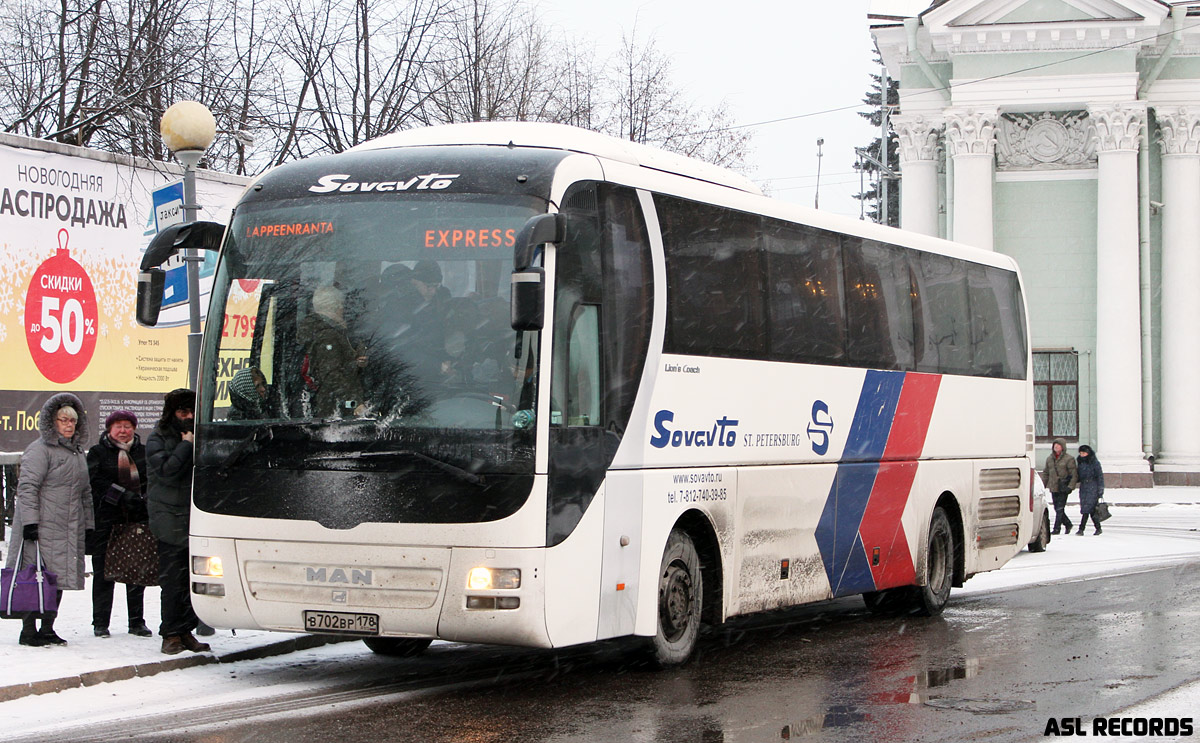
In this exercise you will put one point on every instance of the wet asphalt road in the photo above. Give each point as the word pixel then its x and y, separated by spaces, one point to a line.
pixel 992 668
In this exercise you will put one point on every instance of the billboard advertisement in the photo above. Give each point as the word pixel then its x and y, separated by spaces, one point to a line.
pixel 73 226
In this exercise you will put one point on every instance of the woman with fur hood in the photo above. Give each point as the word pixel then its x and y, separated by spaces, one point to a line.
pixel 54 506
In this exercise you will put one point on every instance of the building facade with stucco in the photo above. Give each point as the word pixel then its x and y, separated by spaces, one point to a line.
pixel 1066 133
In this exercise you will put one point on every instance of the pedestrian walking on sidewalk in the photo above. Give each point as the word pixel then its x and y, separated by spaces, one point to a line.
pixel 1061 477
pixel 169 456
pixel 54 507
pixel 117 466
pixel 1091 488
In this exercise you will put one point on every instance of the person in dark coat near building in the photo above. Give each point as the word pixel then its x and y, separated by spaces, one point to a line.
pixel 117 466
pixel 1091 487
pixel 169 456
pixel 54 507
pixel 1061 478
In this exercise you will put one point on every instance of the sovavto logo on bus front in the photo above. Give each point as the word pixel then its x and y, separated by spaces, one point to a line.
pixel 341 183
pixel 722 433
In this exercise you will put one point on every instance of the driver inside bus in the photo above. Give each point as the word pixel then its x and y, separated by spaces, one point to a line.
pixel 332 363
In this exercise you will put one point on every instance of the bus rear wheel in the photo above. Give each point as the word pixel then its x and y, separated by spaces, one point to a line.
pixel 680 592
pixel 397 647
pixel 929 599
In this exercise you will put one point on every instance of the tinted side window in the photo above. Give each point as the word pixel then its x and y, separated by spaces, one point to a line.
pixel 804 290
pixel 946 313
pixel 714 280
pixel 997 323
pixel 879 314
pixel 628 301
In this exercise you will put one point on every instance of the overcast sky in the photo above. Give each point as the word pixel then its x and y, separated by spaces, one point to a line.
pixel 768 60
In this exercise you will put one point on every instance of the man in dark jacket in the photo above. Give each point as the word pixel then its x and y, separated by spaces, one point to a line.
pixel 169 456
pixel 1061 477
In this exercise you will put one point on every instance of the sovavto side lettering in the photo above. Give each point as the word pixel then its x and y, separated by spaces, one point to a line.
pixel 722 433
pixel 341 183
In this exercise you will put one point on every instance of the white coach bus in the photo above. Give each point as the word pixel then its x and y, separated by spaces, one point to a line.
pixel 530 385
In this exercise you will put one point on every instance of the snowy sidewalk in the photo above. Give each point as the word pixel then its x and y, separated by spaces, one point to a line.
pixel 88 660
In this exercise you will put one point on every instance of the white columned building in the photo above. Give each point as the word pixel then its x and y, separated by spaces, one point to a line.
pixel 1179 132
pixel 920 140
pixel 971 142
pixel 1118 132
pixel 1071 133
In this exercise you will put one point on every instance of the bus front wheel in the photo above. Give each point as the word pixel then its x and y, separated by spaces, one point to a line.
pixel 680 591
pixel 398 647
pixel 931 597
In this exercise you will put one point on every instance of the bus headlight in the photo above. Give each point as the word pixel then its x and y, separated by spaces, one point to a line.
pixel 486 579
pixel 210 566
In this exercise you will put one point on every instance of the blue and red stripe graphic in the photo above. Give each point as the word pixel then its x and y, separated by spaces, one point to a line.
pixel 862 542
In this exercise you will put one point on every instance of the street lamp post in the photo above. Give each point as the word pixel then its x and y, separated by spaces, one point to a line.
pixel 817 193
pixel 188 128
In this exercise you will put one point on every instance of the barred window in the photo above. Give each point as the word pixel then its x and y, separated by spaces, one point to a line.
pixel 1056 395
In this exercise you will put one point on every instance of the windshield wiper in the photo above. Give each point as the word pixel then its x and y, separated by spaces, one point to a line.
pixel 261 435
pixel 446 467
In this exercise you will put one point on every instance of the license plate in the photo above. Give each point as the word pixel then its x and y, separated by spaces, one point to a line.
pixel 341 622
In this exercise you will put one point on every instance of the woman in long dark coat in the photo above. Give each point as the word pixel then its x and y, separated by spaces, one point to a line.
pixel 54 507
pixel 117 466
pixel 1091 487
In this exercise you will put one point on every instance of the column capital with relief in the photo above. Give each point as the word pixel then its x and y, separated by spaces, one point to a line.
pixel 919 137
pixel 971 131
pixel 1118 128
pixel 1179 130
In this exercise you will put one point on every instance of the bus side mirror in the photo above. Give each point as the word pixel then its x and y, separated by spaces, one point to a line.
pixel 527 307
pixel 149 295
pixel 528 303
pixel 544 228
pixel 152 279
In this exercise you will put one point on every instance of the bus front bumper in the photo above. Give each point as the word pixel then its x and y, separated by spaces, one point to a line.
pixel 464 594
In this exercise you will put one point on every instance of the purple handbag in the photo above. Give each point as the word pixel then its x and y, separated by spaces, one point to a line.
pixel 31 589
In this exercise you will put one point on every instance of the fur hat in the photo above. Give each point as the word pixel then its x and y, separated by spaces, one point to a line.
pixel 177 399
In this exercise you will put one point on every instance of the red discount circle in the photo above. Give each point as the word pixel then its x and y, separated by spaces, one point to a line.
pixel 61 316
pixel 248 285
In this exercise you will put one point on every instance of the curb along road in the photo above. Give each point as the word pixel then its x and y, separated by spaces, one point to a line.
pixel 91 678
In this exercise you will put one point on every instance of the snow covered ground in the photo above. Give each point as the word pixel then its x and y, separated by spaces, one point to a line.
pixel 1150 528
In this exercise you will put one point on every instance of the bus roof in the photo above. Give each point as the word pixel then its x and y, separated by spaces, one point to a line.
pixel 562 137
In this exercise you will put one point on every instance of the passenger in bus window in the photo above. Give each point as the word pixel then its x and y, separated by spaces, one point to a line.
pixel 332 363
pixel 1061 477
pixel 248 395
pixel 461 346
pixel 427 279
pixel 1091 487
pixel 424 344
